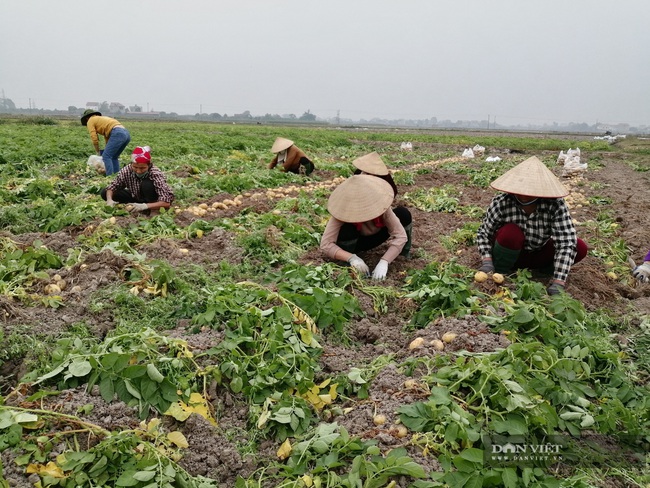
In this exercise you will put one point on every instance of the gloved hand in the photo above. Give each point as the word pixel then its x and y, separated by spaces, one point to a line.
pixel 357 263
pixel 110 202
pixel 139 207
pixel 642 272
pixel 379 273
pixel 555 289
pixel 487 266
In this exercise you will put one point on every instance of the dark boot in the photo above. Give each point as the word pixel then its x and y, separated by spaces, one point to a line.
pixel 406 250
pixel 504 259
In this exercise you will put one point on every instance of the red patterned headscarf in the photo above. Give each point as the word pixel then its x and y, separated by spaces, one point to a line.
pixel 141 154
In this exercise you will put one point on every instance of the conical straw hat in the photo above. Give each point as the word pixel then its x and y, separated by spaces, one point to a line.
pixel 530 178
pixel 360 198
pixel 371 164
pixel 281 144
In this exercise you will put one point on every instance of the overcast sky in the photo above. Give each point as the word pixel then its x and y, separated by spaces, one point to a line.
pixel 516 61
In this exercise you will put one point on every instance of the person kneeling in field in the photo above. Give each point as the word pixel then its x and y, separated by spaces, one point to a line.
pixel 642 271
pixel 372 164
pixel 362 219
pixel 290 157
pixel 141 184
pixel 529 225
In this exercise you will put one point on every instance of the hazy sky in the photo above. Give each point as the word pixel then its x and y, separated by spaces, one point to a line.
pixel 517 61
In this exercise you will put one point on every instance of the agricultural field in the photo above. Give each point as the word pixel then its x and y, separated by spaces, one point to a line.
pixel 213 345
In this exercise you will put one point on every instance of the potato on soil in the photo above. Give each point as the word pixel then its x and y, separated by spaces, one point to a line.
pixel 480 276
pixel 448 337
pixel 497 278
pixel 399 431
pixel 379 419
pixel 52 289
pixel 410 384
pixel 438 345
pixel 416 343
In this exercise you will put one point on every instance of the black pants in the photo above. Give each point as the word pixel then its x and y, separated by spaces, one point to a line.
pixel 351 240
pixel 148 193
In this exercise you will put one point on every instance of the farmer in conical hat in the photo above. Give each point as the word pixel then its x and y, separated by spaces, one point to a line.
pixel 529 225
pixel 372 164
pixel 141 184
pixel 362 219
pixel 290 157
pixel 116 138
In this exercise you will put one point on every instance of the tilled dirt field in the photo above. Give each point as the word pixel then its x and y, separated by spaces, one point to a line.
pixel 213 453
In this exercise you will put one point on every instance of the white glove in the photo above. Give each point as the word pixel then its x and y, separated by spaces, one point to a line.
pixel 379 273
pixel 357 263
pixel 642 272
pixel 110 202
pixel 139 207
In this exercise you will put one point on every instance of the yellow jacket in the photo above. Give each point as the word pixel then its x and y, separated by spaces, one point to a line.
pixel 99 124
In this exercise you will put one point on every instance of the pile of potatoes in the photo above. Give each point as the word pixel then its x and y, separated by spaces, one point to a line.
pixel 437 344
pixel 57 285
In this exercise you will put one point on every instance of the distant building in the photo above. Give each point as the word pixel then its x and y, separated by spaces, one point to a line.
pixel 116 108
pixel 93 105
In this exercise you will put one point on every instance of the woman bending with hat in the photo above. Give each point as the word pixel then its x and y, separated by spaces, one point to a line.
pixel 290 157
pixel 362 219
pixel 116 138
pixel 372 164
pixel 141 183
pixel 529 225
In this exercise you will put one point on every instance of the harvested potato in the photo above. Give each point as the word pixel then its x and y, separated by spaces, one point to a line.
pixel 448 337
pixel 438 345
pixel 416 343
pixel 498 278
pixel 379 419
pixel 52 289
pixel 611 275
pixel 480 276
pixel 410 384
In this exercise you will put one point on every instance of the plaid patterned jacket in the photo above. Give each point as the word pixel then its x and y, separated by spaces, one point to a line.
pixel 551 220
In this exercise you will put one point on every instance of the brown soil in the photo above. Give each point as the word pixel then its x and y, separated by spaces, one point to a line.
pixel 213 450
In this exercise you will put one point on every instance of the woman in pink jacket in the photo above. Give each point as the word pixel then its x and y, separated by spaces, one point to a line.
pixel 362 219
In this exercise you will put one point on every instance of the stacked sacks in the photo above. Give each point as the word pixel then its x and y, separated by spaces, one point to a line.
pixel 571 162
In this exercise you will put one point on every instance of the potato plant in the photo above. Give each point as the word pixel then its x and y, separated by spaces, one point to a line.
pixel 299 347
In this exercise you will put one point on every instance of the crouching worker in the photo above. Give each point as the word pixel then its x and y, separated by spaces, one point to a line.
pixel 372 164
pixel 642 271
pixel 362 219
pixel 290 157
pixel 141 184
pixel 529 225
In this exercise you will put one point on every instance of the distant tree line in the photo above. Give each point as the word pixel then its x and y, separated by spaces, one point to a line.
pixel 115 109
